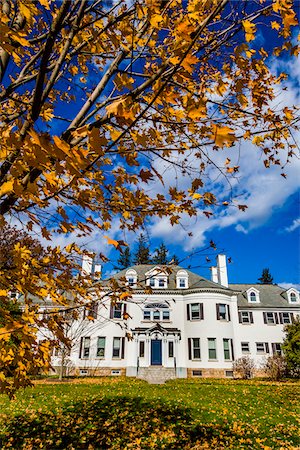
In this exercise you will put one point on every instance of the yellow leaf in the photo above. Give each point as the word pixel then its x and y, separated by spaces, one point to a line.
pixel 6 187
pixel 156 19
pixel 197 196
pixel 275 25
pixel 223 136
pixel 3 292
pixel 45 4
pixel 112 242
pixel 47 114
pixel 250 30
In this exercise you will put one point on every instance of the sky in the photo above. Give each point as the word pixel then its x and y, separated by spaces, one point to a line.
pixel 266 235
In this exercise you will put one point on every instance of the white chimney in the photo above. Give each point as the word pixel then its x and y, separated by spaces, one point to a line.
pixel 214 275
pixel 222 270
pixel 87 264
pixel 97 272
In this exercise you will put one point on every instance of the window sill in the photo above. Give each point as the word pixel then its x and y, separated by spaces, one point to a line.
pixel 213 360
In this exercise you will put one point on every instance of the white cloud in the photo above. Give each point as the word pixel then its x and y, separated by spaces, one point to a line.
pixel 286 285
pixel 293 226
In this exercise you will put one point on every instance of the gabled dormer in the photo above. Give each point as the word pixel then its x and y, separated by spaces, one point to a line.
pixel 182 279
pixel 131 278
pixel 293 296
pixel 157 278
pixel 253 295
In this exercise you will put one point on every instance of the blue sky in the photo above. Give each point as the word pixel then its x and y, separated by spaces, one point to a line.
pixel 267 234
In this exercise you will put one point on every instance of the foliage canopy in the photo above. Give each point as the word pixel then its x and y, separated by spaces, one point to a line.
pixel 99 100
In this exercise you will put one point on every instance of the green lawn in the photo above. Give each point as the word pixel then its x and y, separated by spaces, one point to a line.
pixel 130 414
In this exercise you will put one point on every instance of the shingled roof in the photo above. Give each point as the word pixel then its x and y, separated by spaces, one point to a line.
pixel 270 295
pixel 195 281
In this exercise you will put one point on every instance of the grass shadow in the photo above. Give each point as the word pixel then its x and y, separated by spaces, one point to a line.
pixel 107 423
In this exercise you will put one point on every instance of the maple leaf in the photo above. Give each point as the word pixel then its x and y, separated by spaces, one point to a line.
pixel 145 175
pixel 250 29
pixel 223 136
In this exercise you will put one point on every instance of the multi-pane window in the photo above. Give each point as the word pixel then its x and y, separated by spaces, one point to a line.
pixel 131 281
pixel 182 282
pixel 270 318
pixel 117 311
pixel 161 282
pixel 196 348
pixel 147 315
pixel 152 282
pixel 166 314
pixel 171 349
pixel 195 311
pixel 156 315
pixel 85 347
pixel 92 311
pixel 276 348
pixel 116 347
pixel 245 347
pixel 253 297
pixel 262 347
pixel 245 317
pixel 227 349
pixel 212 348
pixel 285 317
pixel 293 297
pixel 100 347
pixel 223 312
pixel 156 312
pixel 142 349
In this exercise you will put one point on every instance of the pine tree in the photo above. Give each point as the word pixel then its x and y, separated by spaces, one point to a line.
pixel 142 255
pixel 266 277
pixel 125 259
pixel 160 256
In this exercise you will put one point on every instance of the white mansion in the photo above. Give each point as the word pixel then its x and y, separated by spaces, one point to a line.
pixel 184 326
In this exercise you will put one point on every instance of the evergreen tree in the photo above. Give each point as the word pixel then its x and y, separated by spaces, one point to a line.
pixel 291 347
pixel 266 277
pixel 160 256
pixel 124 260
pixel 142 255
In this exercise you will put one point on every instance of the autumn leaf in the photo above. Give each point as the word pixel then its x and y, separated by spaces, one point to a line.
pixel 223 136
pixel 250 29
pixel 145 175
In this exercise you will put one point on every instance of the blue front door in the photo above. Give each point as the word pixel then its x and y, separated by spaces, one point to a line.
pixel 156 354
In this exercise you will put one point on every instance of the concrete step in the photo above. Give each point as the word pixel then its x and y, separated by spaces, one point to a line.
pixel 156 375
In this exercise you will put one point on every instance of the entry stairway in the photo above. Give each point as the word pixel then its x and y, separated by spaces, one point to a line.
pixel 157 374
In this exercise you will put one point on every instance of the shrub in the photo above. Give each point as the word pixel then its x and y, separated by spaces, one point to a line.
pixel 291 348
pixel 244 367
pixel 275 367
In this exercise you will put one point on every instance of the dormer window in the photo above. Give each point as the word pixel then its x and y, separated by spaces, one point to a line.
pixel 131 281
pixel 293 296
pixel 182 279
pixel 182 282
pixel 131 277
pixel 161 282
pixel 157 278
pixel 253 295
